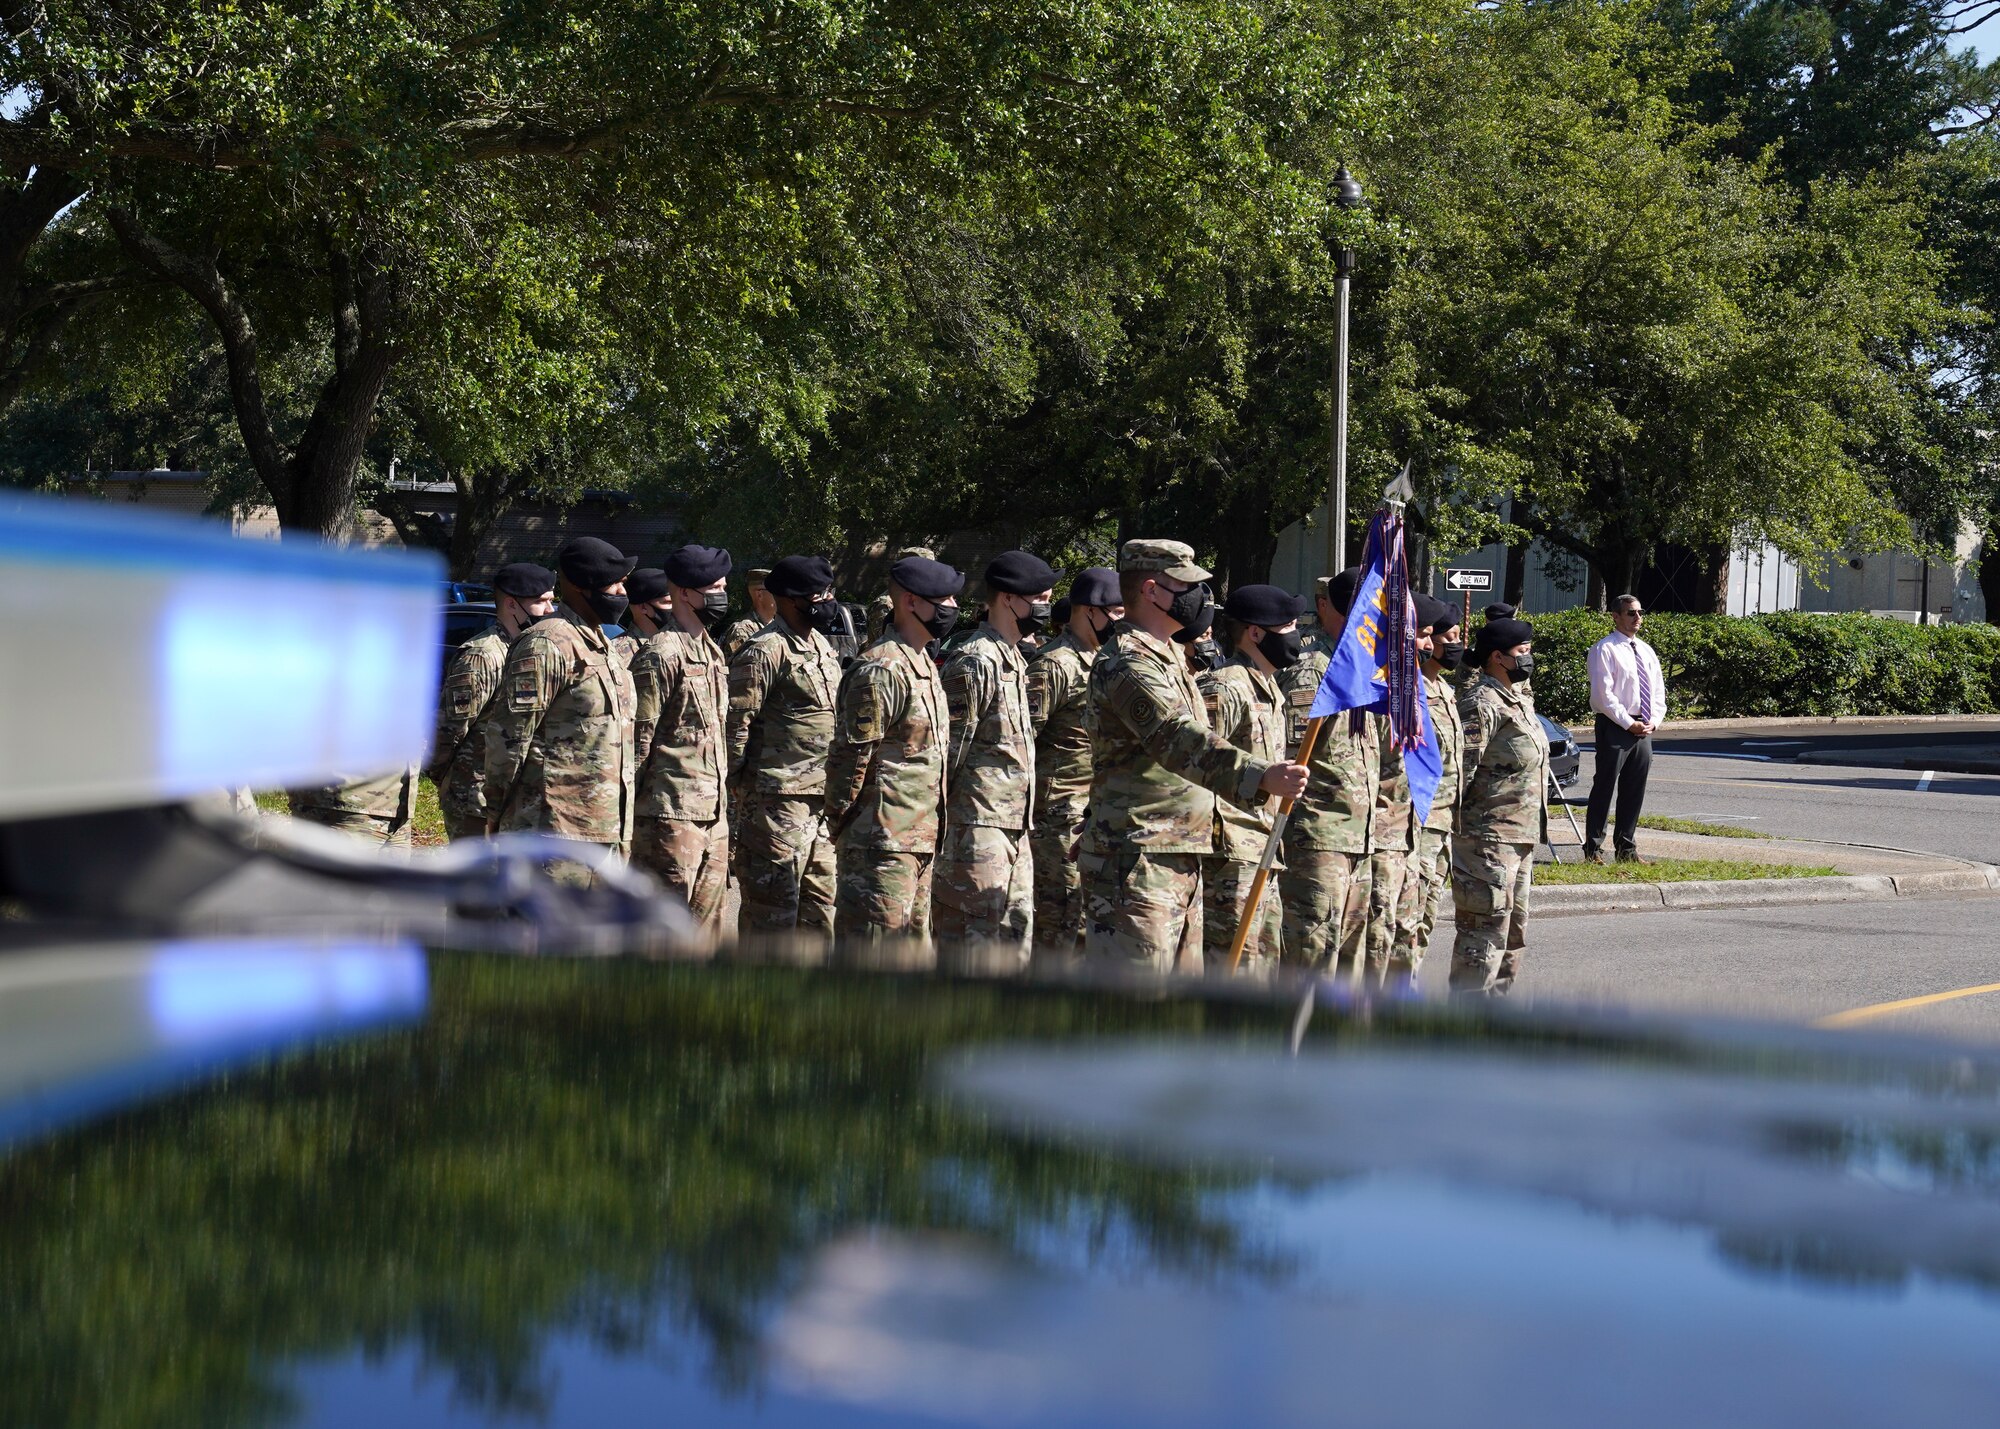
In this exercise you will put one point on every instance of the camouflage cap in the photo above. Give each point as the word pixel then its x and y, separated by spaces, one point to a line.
pixel 1173 559
pixel 921 553
pixel 755 579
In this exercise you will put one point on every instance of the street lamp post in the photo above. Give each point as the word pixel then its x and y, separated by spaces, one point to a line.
pixel 1347 194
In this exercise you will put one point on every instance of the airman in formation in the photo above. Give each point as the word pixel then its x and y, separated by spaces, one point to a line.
pixel 1105 795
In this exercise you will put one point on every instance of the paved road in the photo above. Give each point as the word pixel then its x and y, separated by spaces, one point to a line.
pixel 1796 964
pixel 1804 962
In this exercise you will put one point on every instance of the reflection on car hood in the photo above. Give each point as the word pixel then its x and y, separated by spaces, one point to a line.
pixel 611 1191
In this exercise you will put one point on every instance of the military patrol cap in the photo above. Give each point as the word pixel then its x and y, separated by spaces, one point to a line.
pixel 757 577
pixel 1435 614
pixel 1097 586
pixel 592 564
pixel 524 580
pixel 921 553
pixel 645 587
pixel 692 567
pixel 932 580
pixel 799 576
pixel 1265 605
pixel 1339 590
pixel 1019 573
pixel 1173 559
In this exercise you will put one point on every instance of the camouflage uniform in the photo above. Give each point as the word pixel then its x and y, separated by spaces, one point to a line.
pixel 879 608
pixel 560 756
pixel 625 646
pixel 378 810
pixel 739 634
pixel 1156 769
pixel 1325 884
pixel 782 689
pixel 1499 821
pixel 1059 704
pixel 983 885
pixel 1246 708
pixel 681 834
pixel 885 789
pixel 1430 865
pixel 458 750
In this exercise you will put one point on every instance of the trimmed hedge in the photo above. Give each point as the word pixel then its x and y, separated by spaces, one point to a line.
pixel 1789 663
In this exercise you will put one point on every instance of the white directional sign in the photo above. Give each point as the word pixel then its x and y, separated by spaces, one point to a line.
pixel 1458 578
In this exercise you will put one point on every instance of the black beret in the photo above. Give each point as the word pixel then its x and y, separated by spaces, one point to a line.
pixel 1503 634
pixel 797 576
pixel 524 580
pixel 1096 586
pixel 1339 590
pixel 693 567
pixel 1500 610
pixel 593 564
pixel 646 586
pixel 1264 605
pixel 933 580
pixel 1435 614
pixel 1019 573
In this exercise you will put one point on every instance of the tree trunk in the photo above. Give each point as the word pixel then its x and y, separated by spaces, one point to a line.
pixel 1245 543
pixel 1715 580
pixel 1514 584
pixel 1989 573
pixel 312 484
pixel 1593 589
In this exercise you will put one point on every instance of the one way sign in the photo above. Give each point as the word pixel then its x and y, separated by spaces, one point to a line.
pixel 1457 578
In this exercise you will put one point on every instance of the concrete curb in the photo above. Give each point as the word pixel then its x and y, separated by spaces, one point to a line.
pixel 1774 724
pixel 1567 899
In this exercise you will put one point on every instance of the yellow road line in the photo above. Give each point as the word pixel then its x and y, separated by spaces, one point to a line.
pixel 1884 1009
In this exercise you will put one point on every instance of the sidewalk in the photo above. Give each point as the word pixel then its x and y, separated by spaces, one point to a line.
pixel 1865 874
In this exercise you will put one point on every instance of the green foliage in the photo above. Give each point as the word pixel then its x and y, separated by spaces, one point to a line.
pixel 1789 663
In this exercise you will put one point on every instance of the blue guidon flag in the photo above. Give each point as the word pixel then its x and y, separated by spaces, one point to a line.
pixel 1374 667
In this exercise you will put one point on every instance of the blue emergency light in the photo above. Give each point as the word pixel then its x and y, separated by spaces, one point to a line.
pixel 151 658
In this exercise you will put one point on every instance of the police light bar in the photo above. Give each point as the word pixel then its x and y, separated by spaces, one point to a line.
pixel 150 658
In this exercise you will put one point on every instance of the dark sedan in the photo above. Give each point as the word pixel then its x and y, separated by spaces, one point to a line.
pixel 1565 759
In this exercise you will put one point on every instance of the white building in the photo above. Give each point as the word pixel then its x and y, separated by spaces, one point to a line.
pixel 1897 584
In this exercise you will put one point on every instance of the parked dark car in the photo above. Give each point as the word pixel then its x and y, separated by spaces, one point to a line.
pixel 1565 759
pixel 463 620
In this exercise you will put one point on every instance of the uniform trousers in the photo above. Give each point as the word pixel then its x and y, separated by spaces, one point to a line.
pixel 1325 895
pixel 1388 870
pixel 1058 884
pixel 691 859
pixel 1490 884
pixel 1141 908
pixel 983 886
pixel 1417 909
pixel 784 866
pixel 882 893
pixel 1225 888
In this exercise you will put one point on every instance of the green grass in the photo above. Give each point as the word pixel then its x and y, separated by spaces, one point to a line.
pixel 1667 823
pixel 429 824
pixel 1673 870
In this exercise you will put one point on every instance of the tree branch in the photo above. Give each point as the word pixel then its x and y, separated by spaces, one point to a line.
pixel 203 282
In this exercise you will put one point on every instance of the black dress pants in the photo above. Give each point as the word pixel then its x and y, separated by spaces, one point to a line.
pixel 1623 762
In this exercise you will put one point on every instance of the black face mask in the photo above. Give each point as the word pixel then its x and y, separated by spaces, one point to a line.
pixel 714 606
pixel 942 620
pixel 1194 609
pixel 608 608
pixel 1524 666
pixel 1281 648
pixel 1451 654
pixel 825 618
pixel 1037 618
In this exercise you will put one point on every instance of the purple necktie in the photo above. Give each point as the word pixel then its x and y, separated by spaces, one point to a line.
pixel 1645 687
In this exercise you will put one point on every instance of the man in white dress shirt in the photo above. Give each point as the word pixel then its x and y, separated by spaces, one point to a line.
pixel 1629 694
